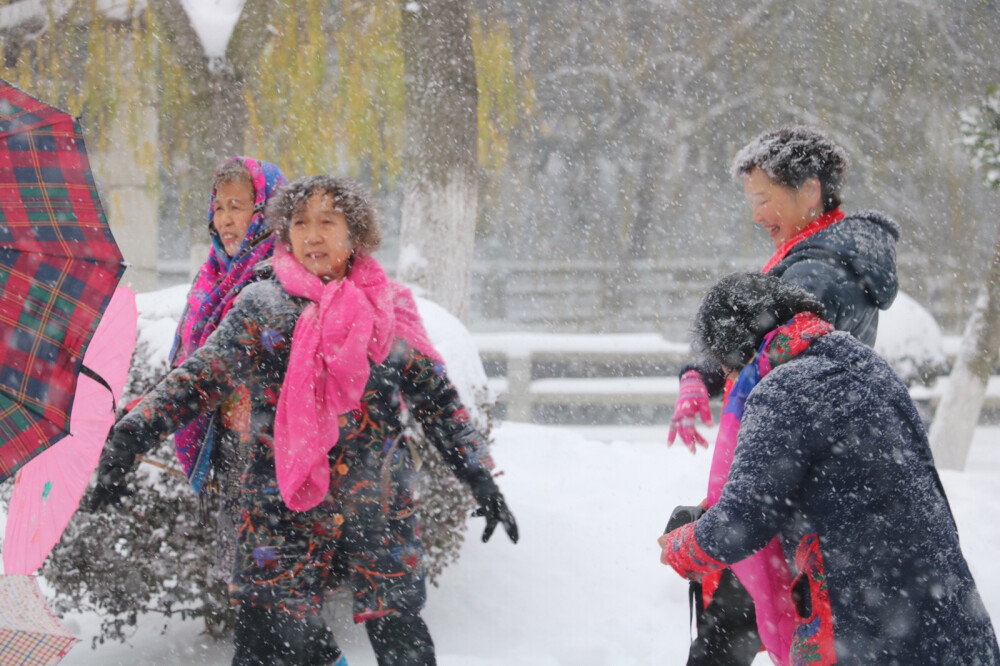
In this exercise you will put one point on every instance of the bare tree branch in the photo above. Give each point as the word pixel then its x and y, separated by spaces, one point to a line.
pixel 176 28
pixel 249 36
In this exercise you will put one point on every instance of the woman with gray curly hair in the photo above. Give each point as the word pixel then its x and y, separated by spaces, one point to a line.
pixel 326 350
pixel 792 177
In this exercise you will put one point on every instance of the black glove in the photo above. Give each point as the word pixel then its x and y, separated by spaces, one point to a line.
pixel 682 515
pixel 492 506
pixel 117 460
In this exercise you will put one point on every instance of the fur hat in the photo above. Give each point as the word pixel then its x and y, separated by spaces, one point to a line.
pixel 736 314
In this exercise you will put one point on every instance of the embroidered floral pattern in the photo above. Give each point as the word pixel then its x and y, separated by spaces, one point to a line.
pixel 365 530
pixel 813 640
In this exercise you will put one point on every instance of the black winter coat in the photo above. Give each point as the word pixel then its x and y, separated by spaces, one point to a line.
pixel 850 267
pixel 832 451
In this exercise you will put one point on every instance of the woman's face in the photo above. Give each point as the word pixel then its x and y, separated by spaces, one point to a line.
pixel 232 213
pixel 320 238
pixel 782 211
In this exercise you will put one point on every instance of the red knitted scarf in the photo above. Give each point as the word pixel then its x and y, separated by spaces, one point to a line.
pixel 817 225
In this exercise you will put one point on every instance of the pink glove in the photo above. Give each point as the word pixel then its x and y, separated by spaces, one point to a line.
pixel 692 400
pixel 682 552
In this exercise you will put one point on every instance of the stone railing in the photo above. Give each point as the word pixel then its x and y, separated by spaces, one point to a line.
pixel 597 379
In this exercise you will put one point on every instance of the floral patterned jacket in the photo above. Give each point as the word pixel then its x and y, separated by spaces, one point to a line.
pixel 239 373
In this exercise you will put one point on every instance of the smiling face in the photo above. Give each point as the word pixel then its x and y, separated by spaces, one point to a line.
pixel 782 211
pixel 320 238
pixel 232 213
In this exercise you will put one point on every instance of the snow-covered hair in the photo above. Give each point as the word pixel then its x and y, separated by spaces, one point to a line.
pixel 233 170
pixel 349 197
pixel 791 155
pixel 736 314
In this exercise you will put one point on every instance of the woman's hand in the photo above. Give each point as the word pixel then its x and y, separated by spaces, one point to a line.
pixel 495 510
pixel 117 460
pixel 692 401
pixel 682 552
pixel 492 506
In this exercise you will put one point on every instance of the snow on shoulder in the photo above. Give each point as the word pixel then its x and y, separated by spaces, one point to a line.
pixel 214 23
pixel 461 356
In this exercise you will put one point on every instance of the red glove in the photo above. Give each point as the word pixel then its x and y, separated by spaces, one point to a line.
pixel 692 400
pixel 683 553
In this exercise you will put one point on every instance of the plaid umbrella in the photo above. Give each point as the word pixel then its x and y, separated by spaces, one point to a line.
pixel 59 266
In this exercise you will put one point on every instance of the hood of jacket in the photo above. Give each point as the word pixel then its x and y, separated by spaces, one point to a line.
pixel 866 242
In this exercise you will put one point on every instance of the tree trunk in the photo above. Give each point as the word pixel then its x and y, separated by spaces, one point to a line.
pixel 958 413
pixel 218 115
pixel 440 192
pixel 122 164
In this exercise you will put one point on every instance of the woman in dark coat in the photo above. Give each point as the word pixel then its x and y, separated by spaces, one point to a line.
pixel 832 461
pixel 325 352
pixel 240 239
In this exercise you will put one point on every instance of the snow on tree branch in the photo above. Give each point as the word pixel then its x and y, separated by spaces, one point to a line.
pixel 981 136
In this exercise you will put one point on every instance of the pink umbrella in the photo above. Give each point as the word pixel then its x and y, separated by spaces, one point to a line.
pixel 47 490
pixel 29 633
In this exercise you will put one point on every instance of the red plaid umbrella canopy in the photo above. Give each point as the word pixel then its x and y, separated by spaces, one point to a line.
pixel 59 266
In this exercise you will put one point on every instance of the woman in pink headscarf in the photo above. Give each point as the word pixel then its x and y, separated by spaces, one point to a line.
pixel 240 238
pixel 325 352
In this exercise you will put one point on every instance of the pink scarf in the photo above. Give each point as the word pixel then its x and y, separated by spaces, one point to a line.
pixel 348 323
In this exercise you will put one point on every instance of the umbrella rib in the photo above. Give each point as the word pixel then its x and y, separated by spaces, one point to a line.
pixel 100 380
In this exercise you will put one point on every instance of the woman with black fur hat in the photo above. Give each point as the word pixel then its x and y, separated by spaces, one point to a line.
pixel 830 509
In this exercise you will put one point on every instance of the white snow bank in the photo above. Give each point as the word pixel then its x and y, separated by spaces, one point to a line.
pixel 159 312
pixel 584 586
pixel 910 339
pixel 458 349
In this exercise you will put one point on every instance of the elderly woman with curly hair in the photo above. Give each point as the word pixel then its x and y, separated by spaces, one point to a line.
pixel 792 177
pixel 326 350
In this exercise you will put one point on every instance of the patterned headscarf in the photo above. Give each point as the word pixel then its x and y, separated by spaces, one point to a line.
pixel 222 277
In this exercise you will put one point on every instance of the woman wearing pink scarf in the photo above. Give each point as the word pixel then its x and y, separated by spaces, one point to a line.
pixel 327 352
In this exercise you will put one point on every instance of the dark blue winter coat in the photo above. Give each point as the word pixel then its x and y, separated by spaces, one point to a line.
pixel 850 267
pixel 831 450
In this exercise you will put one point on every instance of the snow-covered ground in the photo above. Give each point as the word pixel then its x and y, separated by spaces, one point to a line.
pixel 584 586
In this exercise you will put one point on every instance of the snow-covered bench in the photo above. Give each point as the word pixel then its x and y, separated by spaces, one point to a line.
pixel 517 363
pixel 639 369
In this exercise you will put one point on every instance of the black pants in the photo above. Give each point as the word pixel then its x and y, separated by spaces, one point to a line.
pixel 727 627
pixel 401 639
pixel 272 638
